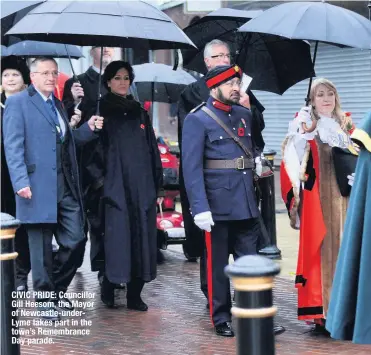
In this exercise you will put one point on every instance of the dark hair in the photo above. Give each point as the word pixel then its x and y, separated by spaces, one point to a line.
pixel 16 63
pixel 112 69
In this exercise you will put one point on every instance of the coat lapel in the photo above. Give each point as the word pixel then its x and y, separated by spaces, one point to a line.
pixel 38 101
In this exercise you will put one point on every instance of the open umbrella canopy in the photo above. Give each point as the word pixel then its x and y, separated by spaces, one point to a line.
pixel 160 83
pixel 11 12
pixel 317 21
pixel 4 51
pixel 44 49
pixel 126 24
pixel 11 7
pixel 219 23
pixel 275 63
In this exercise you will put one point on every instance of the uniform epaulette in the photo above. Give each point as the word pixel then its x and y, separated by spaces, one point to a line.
pixel 198 107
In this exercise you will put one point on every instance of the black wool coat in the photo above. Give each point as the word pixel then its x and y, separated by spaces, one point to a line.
pixel 132 181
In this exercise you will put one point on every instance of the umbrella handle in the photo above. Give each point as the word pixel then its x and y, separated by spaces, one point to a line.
pixel 97 130
pixel 307 100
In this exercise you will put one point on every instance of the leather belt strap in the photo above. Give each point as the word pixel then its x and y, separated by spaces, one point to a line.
pixel 238 164
pixel 230 133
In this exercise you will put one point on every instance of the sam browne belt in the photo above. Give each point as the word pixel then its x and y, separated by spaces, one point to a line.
pixel 238 164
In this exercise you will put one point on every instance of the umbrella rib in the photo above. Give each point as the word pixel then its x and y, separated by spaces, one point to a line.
pixel 301 20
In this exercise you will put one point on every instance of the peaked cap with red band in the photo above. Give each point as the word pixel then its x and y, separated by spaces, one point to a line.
pixel 221 74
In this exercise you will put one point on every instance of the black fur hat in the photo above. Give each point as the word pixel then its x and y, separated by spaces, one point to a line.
pixel 16 63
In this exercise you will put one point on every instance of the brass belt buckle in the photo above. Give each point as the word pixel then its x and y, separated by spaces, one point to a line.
pixel 240 163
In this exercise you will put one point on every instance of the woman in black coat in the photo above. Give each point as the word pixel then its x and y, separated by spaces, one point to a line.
pixel 132 183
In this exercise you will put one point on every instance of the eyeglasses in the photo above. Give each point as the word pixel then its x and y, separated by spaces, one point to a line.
pixel 46 74
pixel 221 56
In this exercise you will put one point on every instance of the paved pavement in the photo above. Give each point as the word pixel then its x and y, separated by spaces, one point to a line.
pixel 177 321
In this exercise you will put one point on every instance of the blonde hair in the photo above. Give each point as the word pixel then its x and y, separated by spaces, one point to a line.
pixel 338 113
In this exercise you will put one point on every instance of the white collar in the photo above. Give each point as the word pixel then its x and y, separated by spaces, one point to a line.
pixel 97 70
pixel 44 97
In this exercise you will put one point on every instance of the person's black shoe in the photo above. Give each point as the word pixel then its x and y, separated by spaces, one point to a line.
pixel 47 310
pixel 137 305
pixel 224 329
pixel 107 293
pixel 320 330
pixel 63 303
pixel 278 329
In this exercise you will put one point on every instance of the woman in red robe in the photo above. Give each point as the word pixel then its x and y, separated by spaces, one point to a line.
pixel 312 196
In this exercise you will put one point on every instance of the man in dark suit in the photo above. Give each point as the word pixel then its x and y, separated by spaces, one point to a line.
pixel 40 151
pixel 85 91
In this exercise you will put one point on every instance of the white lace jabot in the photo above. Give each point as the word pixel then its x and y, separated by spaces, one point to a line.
pixel 331 133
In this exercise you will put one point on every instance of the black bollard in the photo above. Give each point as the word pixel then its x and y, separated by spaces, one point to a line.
pixel 268 208
pixel 7 256
pixel 252 277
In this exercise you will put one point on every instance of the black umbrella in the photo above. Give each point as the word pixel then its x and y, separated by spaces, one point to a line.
pixel 11 12
pixel 44 49
pixel 316 21
pixel 160 83
pixel 274 62
pixel 219 23
pixel 129 24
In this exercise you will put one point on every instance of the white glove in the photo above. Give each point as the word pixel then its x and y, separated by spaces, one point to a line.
pixel 304 115
pixel 204 221
pixel 351 179
pixel 258 166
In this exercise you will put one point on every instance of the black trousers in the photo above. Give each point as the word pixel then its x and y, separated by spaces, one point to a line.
pixel 227 237
pixel 22 262
pixel 57 274
pixel 203 273
pixel 135 287
pixel 96 227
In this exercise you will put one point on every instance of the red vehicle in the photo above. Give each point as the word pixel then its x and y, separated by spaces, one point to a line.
pixel 170 226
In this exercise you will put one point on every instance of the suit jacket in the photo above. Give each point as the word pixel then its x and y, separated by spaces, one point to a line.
pixel 30 148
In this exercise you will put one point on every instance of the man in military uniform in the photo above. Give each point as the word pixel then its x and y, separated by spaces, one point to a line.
pixel 219 180
pixel 216 53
